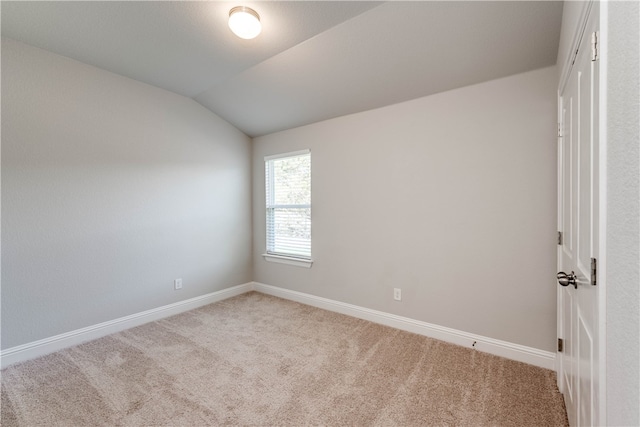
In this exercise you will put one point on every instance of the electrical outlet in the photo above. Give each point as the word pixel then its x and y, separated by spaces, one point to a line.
pixel 177 284
pixel 397 294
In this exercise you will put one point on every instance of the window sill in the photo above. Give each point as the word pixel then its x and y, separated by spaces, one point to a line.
pixel 298 262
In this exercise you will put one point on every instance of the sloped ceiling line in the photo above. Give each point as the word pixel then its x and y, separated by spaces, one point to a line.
pixel 313 61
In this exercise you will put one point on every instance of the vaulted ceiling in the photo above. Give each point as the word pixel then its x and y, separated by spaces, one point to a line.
pixel 312 61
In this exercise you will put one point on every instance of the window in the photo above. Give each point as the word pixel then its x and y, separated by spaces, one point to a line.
pixel 288 203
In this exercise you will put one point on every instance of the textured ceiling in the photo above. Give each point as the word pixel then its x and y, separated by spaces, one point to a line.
pixel 312 61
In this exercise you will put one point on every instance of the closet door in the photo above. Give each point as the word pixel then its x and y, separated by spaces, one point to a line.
pixel 578 213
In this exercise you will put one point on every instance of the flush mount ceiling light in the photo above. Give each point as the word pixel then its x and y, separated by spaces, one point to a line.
pixel 244 22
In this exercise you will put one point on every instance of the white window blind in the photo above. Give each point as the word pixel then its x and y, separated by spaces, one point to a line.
pixel 288 191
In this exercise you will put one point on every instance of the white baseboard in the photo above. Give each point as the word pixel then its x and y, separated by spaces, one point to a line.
pixel 505 349
pixel 520 353
pixel 49 345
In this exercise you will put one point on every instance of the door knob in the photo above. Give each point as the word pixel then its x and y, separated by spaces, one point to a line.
pixel 568 279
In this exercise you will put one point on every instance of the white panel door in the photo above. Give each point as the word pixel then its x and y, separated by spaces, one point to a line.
pixel 578 218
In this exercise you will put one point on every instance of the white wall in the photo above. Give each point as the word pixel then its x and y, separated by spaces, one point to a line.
pixel 451 198
pixel 111 189
pixel 623 214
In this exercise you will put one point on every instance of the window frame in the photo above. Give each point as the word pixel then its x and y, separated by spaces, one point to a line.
pixel 279 257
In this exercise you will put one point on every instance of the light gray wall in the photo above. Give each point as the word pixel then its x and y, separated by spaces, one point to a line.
pixel 623 215
pixel 111 189
pixel 451 198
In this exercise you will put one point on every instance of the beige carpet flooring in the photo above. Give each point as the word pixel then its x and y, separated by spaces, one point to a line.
pixel 259 360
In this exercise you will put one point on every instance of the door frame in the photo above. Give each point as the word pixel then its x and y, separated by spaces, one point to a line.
pixel 578 34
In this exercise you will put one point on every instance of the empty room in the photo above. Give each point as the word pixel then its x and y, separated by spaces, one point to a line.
pixel 289 213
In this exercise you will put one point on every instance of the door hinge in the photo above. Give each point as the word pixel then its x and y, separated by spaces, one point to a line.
pixel 559 238
pixel 560 345
pixel 559 130
pixel 594 271
pixel 594 46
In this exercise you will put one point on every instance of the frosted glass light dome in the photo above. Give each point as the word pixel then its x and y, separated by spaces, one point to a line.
pixel 244 22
